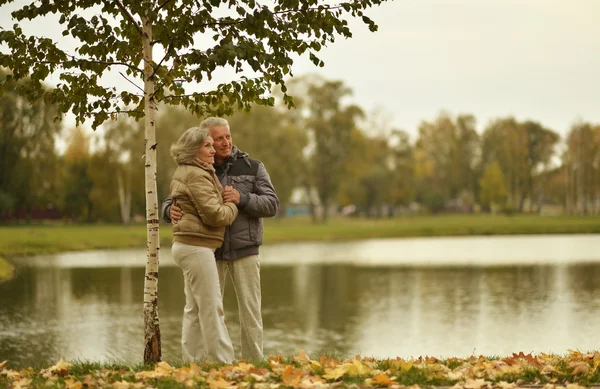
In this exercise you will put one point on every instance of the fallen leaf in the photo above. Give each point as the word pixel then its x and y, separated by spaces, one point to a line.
pixel 291 376
pixel 121 385
pixel 334 373
pixel 61 368
pixel 506 385
pixel 302 357
pixel 21 384
pixel 475 384
pixel 579 368
pixel 383 379
pixel 596 360
pixel 404 365
pixel 357 368
pixel 163 368
pixel 218 384
pixel 73 383
pixel 455 375
pixel 89 381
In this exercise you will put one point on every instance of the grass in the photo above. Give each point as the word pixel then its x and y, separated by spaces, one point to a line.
pixel 338 228
pixel 19 240
pixel 574 370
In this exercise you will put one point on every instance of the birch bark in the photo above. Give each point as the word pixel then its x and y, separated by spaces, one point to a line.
pixel 152 344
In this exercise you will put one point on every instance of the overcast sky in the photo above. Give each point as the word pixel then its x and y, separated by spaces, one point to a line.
pixel 533 59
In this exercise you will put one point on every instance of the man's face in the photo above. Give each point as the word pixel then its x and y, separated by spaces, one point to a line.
pixel 222 142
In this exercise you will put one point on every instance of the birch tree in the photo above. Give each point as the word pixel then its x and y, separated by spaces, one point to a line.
pixel 255 41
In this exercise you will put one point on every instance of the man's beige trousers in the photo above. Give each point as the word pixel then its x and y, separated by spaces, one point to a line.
pixel 204 334
pixel 245 275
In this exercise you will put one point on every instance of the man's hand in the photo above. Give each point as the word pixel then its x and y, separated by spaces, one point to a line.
pixel 175 213
pixel 231 195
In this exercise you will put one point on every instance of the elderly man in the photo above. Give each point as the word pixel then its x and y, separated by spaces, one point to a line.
pixel 255 197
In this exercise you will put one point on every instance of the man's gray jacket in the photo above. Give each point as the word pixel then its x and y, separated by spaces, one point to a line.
pixel 257 200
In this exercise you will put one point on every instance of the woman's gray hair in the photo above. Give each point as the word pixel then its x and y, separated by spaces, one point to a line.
pixel 184 150
pixel 211 122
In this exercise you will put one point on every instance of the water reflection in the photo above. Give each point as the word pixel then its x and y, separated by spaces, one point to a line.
pixel 94 313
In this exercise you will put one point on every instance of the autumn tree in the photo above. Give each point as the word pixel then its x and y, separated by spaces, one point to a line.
pixel 403 179
pixel 369 182
pixel 493 187
pixel 541 143
pixel 332 123
pixel 30 164
pixel 273 136
pixel 76 181
pixel 505 142
pixel 447 150
pixel 164 50
pixel 524 151
pixel 582 169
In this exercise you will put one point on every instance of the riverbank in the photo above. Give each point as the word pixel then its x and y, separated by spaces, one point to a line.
pixel 21 240
pixel 573 371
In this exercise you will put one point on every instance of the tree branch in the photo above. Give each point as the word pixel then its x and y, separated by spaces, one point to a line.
pixel 132 83
pixel 129 16
pixel 162 5
pixel 238 21
pixel 135 69
pixel 123 111
pixel 167 51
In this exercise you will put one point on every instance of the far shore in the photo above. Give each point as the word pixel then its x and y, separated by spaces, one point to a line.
pixel 48 238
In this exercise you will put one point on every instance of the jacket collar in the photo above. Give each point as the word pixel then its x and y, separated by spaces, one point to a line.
pixel 234 156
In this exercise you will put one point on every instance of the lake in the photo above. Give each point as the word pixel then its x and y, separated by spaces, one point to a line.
pixel 383 298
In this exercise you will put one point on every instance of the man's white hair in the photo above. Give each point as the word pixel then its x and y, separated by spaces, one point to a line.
pixel 211 122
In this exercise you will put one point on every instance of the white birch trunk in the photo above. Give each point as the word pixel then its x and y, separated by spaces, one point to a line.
pixel 152 345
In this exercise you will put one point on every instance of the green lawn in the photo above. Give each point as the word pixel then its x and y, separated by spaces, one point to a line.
pixel 18 240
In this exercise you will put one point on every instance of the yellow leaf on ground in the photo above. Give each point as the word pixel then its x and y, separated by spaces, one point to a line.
pixel 506 385
pixel 334 374
pixel 73 383
pixel 596 360
pixel 383 379
pixel 302 357
pixel 579 367
pixel 244 367
pixel 291 376
pixel 219 384
pixel 475 384
pixel 403 365
pixel 121 384
pixel 11 374
pixel 21 384
pixel 357 368
pixel 61 367
pixel 329 362
pixel 256 377
pixel 164 368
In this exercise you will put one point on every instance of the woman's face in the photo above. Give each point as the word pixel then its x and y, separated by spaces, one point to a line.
pixel 206 152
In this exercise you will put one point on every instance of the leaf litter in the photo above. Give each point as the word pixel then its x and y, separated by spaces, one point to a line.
pixel 575 370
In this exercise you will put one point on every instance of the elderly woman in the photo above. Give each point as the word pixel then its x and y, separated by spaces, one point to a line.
pixel 197 191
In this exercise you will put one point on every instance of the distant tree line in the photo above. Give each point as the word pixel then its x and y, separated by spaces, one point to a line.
pixel 330 151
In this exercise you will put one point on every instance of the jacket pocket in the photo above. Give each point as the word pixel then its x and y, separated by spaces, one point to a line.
pixel 244 184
